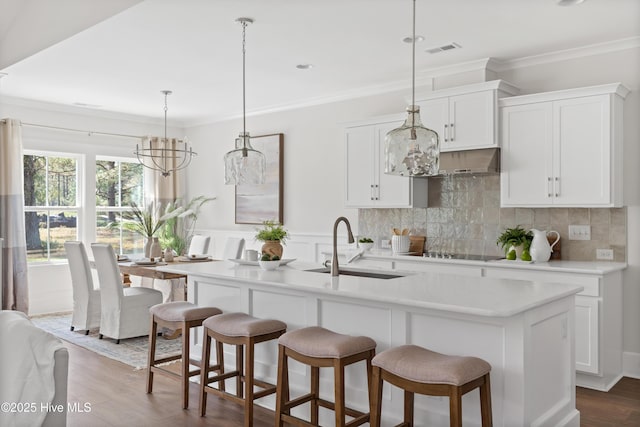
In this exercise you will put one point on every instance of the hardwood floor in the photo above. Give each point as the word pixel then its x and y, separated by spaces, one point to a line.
pixel 117 397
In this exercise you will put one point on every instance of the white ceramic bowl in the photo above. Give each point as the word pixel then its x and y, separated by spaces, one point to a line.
pixel 366 246
pixel 269 265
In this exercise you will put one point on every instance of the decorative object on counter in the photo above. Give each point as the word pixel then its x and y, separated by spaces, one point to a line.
pixel 244 164
pixel 416 244
pixel 177 231
pixel 412 149
pixel 540 247
pixel 257 202
pixel 165 155
pixel 168 254
pixel 400 241
pixel 365 243
pixel 250 255
pixel 269 262
pixel 514 241
pixel 274 236
pixel 155 251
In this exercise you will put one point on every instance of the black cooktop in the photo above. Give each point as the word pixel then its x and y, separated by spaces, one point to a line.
pixel 470 257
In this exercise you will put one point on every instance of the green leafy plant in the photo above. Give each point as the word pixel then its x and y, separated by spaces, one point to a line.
pixel 515 237
pixel 365 240
pixel 177 230
pixel 145 222
pixel 272 230
pixel 269 257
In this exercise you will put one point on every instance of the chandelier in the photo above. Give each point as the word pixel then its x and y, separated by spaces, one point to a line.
pixel 165 155
pixel 244 164
pixel 412 149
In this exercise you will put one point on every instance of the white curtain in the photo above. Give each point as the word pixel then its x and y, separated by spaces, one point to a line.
pixel 161 190
pixel 15 289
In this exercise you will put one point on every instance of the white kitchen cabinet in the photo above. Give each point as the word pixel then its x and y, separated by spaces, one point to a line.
pixel 598 321
pixel 563 149
pixel 465 117
pixel 366 184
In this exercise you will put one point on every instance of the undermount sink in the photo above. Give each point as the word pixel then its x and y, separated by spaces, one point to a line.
pixel 370 274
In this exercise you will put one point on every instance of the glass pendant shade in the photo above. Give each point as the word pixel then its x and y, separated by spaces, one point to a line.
pixel 244 165
pixel 412 149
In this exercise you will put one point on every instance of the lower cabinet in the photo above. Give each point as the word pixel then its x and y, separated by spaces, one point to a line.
pixel 587 336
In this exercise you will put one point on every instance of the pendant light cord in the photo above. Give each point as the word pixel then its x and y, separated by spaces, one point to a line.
pixel 244 130
pixel 413 66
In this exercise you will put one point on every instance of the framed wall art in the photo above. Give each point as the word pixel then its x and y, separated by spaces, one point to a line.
pixel 258 203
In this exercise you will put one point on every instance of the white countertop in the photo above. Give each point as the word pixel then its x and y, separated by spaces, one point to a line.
pixel 587 267
pixel 475 296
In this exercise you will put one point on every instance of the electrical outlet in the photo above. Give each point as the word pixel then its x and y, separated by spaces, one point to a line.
pixel 604 254
pixel 579 232
pixel 385 244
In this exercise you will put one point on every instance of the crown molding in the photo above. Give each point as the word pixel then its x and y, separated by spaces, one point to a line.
pixel 563 55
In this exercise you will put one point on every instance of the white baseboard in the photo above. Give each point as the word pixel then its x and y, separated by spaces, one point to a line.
pixel 631 364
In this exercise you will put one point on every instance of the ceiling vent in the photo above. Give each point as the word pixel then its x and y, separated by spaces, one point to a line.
pixel 449 46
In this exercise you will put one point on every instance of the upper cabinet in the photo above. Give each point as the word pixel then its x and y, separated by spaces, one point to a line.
pixel 366 184
pixel 563 149
pixel 465 117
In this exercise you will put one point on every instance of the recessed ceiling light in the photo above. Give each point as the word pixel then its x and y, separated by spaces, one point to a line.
pixel 410 39
pixel 569 2
pixel 304 66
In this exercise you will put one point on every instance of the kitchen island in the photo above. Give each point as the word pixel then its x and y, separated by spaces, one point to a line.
pixel 523 329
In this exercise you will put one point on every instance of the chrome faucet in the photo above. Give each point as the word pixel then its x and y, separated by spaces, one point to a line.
pixel 334 260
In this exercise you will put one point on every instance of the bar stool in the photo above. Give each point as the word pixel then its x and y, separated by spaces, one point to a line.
pixel 241 330
pixel 319 347
pixel 176 315
pixel 418 370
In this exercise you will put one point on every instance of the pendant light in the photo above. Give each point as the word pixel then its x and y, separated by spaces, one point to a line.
pixel 412 150
pixel 163 154
pixel 244 165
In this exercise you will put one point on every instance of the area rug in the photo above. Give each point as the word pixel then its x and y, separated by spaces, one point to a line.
pixel 132 351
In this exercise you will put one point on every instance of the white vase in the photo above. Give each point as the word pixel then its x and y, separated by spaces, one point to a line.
pixel 168 254
pixel 155 251
pixel 147 247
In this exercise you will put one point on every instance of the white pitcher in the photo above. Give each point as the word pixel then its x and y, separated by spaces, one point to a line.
pixel 540 249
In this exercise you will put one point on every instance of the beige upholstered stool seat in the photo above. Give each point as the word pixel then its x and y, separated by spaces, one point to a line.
pixel 244 332
pixel 418 370
pixel 181 311
pixel 179 316
pixel 425 366
pixel 243 325
pixel 315 341
pixel 321 348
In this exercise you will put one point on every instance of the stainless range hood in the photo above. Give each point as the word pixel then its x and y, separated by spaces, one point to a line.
pixel 480 161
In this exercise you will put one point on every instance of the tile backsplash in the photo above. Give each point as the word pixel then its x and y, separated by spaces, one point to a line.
pixel 464 216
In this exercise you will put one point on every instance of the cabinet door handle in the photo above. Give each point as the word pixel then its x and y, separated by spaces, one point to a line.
pixel 548 186
pixel 371 192
pixel 556 186
pixel 453 133
pixel 446 133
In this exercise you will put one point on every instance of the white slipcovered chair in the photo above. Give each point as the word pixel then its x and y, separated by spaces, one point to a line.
pixel 86 299
pixel 199 245
pixel 125 311
pixel 233 248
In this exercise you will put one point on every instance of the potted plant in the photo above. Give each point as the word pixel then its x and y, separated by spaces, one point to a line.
pixel 146 223
pixel 365 243
pixel 514 241
pixel 274 236
pixel 177 231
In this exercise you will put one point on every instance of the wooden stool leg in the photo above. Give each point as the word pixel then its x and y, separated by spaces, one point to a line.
pixel 248 383
pixel 240 369
pixel 282 385
pixel 220 362
pixel 153 329
pixel 485 402
pixel 315 390
pixel 338 373
pixel 185 366
pixel 204 372
pixel 455 407
pixel 408 408
pixel 375 398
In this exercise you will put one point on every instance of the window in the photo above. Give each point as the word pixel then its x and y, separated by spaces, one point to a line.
pixel 119 183
pixel 51 204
